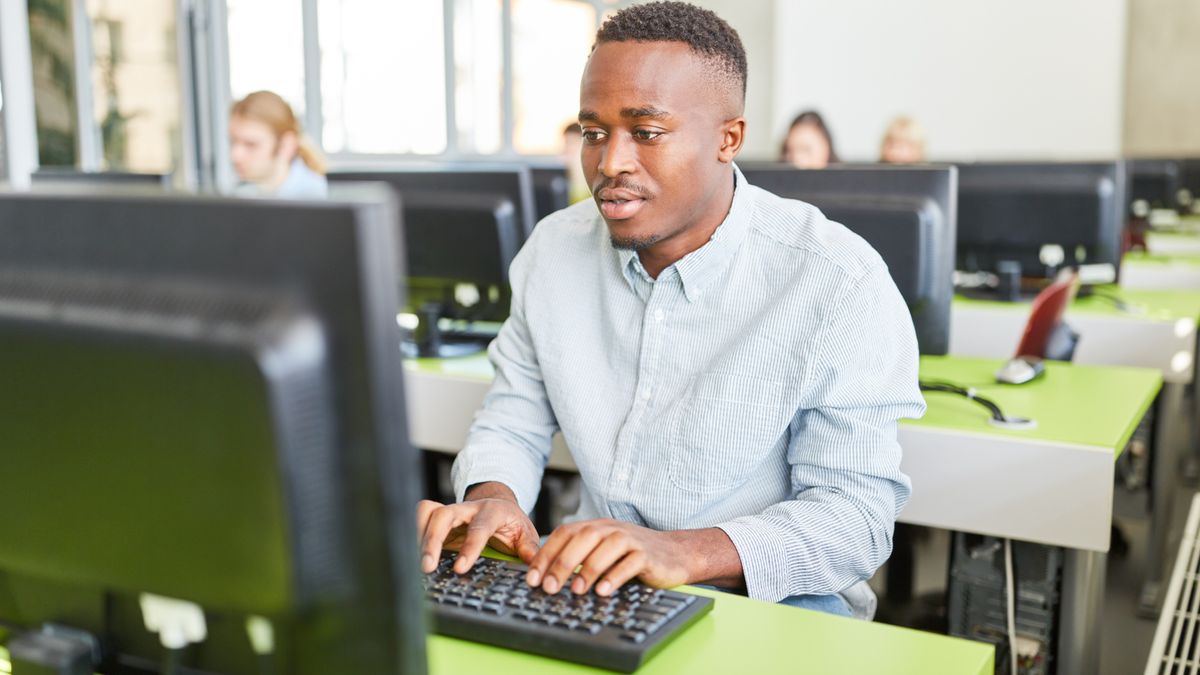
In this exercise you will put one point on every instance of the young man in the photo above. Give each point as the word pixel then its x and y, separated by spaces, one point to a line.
pixel 727 367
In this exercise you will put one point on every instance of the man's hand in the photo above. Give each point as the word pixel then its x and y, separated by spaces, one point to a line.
pixel 489 516
pixel 611 553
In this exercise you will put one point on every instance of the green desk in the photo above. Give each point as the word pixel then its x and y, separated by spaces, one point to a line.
pixel 1155 329
pixel 748 636
pixel 967 474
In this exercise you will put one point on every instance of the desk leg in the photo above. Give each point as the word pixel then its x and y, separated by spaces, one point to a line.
pixel 1080 619
pixel 1170 438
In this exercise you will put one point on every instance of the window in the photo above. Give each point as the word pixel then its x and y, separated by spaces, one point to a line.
pixel 383 86
pixel 52 53
pixel 387 77
pixel 478 76
pixel 135 83
pixel 266 49
pixel 551 41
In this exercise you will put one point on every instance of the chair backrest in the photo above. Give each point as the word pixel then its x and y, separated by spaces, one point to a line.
pixel 1046 315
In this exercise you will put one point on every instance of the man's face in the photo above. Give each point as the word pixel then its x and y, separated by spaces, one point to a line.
pixel 653 135
pixel 253 149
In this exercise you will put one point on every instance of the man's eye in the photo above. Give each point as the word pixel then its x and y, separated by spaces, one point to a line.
pixel 592 135
pixel 646 134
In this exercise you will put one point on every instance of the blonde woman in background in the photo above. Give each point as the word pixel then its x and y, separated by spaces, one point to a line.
pixel 270 153
pixel 903 142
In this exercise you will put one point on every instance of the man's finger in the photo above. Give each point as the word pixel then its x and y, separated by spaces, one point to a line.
pixel 527 544
pixel 574 552
pixel 425 508
pixel 481 529
pixel 606 554
pixel 549 551
pixel 629 567
pixel 438 528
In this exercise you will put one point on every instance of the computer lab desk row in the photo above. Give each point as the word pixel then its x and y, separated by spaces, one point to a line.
pixel 1052 484
pixel 1123 327
pixel 747 636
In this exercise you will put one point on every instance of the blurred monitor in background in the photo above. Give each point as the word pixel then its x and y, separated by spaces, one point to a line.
pixel 270 152
pixel 903 142
pixel 808 143
pixel 572 143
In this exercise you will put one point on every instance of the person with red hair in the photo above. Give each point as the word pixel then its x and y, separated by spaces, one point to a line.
pixel 270 152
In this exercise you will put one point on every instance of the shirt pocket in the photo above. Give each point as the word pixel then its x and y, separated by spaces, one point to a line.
pixel 726 427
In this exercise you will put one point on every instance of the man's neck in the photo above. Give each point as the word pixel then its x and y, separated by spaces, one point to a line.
pixel 665 253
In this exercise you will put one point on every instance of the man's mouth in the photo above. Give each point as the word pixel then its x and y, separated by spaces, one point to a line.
pixel 619 204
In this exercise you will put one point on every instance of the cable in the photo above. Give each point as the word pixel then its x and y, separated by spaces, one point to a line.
pixel 1009 584
pixel 1118 302
pixel 948 388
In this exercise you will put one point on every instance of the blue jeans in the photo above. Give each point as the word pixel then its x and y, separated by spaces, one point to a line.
pixel 830 604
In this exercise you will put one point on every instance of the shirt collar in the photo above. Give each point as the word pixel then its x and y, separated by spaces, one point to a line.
pixel 698 268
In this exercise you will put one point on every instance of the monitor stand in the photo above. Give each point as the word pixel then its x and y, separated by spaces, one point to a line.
pixel 429 341
pixel 1008 286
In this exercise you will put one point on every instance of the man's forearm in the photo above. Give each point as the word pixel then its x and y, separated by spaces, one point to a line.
pixel 711 557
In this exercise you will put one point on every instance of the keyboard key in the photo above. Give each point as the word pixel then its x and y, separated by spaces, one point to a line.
pixel 636 637
pixel 493 607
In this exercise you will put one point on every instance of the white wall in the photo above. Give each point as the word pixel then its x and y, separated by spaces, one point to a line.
pixel 1035 79
pixel 754 20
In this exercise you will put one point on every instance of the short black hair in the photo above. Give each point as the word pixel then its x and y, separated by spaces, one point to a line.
pixel 702 30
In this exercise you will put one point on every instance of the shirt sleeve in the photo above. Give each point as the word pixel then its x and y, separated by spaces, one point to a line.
pixel 843 453
pixel 510 438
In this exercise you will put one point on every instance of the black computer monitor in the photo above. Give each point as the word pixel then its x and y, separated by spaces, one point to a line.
pixel 906 213
pixel 1189 184
pixel 551 189
pixel 1153 184
pixel 454 239
pixel 514 181
pixel 56 177
pixel 1009 213
pixel 203 399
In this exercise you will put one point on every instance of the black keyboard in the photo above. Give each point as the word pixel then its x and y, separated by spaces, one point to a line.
pixel 493 604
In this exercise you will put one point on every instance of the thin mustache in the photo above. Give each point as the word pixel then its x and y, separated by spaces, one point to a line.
pixel 622 185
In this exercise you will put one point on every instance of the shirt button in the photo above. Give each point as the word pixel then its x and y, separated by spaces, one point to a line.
pixel 622 476
pixel 646 395
pixel 658 315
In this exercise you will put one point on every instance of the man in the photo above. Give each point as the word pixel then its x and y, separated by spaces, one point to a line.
pixel 726 366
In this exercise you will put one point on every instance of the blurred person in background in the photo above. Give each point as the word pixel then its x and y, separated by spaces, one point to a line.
pixel 572 144
pixel 903 142
pixel 808 143
pixel 270 153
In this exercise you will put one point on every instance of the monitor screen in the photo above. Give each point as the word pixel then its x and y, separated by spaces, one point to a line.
pixel 907 214
pixel 514 181
pixel 1040 216
pixel 1154 182
pixel 203 400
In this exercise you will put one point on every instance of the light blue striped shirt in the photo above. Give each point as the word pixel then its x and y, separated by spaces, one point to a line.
pixel 755 386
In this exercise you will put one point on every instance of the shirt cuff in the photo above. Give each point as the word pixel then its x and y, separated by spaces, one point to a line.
pixel 765 554
pixel 484 464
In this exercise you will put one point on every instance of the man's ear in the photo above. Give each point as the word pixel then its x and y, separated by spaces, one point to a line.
pixel 733 134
